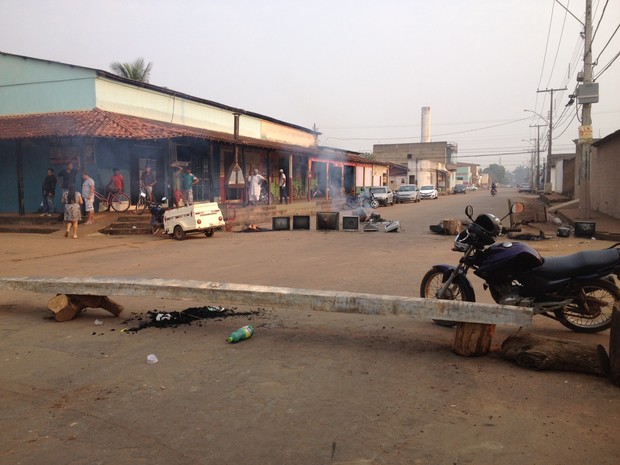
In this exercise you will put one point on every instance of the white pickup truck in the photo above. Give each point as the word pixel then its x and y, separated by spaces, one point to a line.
pixel 201 217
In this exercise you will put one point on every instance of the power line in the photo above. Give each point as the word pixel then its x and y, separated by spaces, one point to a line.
pixel 603 49
pixel 434 135
pixel 599 22
pixel 606 67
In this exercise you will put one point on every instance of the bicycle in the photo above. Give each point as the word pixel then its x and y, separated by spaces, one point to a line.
pixel 143 202
pixel 119 201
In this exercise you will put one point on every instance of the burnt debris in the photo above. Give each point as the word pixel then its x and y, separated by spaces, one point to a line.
pixel 163 319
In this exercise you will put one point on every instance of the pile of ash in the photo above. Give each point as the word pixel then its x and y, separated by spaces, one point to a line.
pixel 188 316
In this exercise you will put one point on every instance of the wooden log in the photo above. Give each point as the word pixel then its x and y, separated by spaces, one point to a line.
pixel 98 301
pixel 614 346
pixel 453 227
pixel 473 339
pixel 63 307
pixel 546 353
pixel 66 307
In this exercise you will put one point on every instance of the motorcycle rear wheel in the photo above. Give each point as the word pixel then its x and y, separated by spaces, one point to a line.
pixel 593 315
pixel 432 282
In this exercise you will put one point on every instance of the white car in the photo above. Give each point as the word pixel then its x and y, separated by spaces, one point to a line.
pixel 428 192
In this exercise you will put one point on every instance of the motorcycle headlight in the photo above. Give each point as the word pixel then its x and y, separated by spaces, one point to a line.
pixel 461 241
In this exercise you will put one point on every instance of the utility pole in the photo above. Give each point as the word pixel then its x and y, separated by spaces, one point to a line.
pixel 585 131
pixel 537 126
pixel 550 121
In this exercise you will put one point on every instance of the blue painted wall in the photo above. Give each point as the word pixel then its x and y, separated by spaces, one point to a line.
pixel 36 161
pixel 29 85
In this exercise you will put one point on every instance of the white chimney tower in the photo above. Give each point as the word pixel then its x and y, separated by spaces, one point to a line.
pixel 426 124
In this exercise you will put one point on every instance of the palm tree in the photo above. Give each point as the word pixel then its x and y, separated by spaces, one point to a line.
pixel 138 70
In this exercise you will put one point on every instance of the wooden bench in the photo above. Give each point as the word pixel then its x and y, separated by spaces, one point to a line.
pixel 476 321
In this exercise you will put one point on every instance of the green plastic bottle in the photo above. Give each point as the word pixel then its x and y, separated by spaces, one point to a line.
pixel 241 334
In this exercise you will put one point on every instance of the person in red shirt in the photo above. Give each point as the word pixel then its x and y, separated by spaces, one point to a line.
pixel 116 184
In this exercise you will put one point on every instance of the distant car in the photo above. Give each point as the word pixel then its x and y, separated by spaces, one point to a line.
pixel 524 188
pixel 383 194
pixel 459 189
pixel 407 193
pixel 428 192
pixel 471 188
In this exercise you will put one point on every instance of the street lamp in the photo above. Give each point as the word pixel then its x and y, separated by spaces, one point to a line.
pixel 538 147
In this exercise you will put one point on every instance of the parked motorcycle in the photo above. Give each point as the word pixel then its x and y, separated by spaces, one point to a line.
pixel 577 290
pixel 157 210
pixel 266 196
pixel 365 199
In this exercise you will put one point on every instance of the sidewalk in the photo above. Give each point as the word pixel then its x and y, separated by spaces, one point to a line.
pixel 606 227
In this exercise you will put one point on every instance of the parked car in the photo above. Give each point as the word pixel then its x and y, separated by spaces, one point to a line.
pixel 459 189
pixel 524 188
pixel 471 188
pixel 407 193
pixel 383 194
pixel 428 192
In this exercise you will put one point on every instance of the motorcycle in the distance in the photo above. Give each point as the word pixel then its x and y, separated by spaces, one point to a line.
pixel 493 191
pixel 577 290
pixel 365 199
pixel 157 210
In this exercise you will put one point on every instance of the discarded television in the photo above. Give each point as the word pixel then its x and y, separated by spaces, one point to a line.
pixel 328 221
pixel 585 228
pixel 281 223
pixel 301 222
pixel 350 222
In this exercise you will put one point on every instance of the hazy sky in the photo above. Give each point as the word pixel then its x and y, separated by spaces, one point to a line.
pixel 360 70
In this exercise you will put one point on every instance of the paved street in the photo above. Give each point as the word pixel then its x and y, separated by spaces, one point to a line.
pixel 307 388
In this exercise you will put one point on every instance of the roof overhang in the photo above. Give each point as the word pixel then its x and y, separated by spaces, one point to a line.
pixel 104 124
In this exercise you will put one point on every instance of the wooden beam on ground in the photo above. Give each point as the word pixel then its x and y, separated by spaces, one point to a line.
pixel 563 205
pixel 548 353
pixel 284 297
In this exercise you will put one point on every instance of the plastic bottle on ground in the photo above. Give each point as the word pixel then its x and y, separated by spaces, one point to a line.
pixel 241 334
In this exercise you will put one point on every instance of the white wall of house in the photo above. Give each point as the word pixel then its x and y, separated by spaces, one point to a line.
pixel 557 177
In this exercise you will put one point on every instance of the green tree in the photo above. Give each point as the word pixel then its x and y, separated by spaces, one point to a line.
pixel 496 173
pixel 522 174
pixel 138 70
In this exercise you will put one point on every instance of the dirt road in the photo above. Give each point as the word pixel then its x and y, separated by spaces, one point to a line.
pixel 307 388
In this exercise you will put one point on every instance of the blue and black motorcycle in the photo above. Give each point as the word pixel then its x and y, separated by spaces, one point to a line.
pixel 578 290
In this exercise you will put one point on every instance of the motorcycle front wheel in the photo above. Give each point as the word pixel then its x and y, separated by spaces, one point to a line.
pixel 432 282
pixel 591 310
pixel 140 205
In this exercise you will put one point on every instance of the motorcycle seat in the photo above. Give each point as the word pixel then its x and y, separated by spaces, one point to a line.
pixel 578 264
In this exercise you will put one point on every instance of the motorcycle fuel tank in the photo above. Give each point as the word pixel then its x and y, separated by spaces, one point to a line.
pixel 507 258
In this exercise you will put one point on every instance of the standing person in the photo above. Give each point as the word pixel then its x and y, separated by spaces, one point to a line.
pixel 68 176
pixel 116 184
pixel 177 195
pixel 147 181
pixel 72 200
pixel 49 191
pixel 283 189
pixel 88 197
pixel 187 182
pixel 254 182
